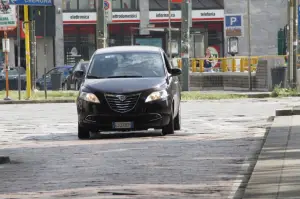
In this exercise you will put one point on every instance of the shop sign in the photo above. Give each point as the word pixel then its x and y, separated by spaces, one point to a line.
pixel 79 17
pixel 197 15
pixel 134 17
pixel 126 17
pixel 8 18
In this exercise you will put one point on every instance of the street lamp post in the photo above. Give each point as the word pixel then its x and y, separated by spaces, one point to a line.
pixel 249 46
pixel 170 31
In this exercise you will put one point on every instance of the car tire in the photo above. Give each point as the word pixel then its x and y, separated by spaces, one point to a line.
pixel 177 120
pixel 169 129
pixel 83 132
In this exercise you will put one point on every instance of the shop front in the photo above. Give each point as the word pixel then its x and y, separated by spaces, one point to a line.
pixel 206 31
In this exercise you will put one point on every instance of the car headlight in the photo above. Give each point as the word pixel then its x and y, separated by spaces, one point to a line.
pixel 157 95
pixel 90 97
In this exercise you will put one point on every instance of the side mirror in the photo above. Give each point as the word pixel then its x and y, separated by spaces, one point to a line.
pixel 79 73
pixel 175 71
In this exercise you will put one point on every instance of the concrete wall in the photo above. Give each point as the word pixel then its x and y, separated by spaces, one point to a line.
pixel 41 61
pixel 59 38
pixel 221 81
pixel 267 17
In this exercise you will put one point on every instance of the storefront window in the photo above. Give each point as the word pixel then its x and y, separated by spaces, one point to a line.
pixel 124 4
pixel 81 37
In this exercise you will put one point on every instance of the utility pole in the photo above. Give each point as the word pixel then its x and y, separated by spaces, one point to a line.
pixel 170 31
pixel 101 24
pixel 249 46
pixel 290 44
pixel 295 42
pixel 19 52
pixel 27 47
pixel 185 43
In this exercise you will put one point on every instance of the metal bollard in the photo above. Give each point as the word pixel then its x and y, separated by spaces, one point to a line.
pixel 194 65
pixel 201 61
pixel 224 65
pixel 242 65
pixel 233 65
pixel 179 63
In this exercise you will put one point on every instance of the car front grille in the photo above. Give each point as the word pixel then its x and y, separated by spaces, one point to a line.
pixel 122 103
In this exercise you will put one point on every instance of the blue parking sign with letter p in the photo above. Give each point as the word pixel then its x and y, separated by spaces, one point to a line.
pixel 233 21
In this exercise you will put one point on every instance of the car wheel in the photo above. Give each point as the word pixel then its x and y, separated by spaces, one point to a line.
pixel 177 120
pixel 83 132
pixel 169 129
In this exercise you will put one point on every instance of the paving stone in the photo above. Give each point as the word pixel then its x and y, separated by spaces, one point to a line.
pixel 204 160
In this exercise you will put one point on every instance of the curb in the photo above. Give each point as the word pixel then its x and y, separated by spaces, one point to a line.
pixel 288 111
pixel 248 167
pixel 4 160
pixel 36 101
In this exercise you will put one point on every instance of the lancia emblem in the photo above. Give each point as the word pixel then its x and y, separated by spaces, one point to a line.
pixel 122 98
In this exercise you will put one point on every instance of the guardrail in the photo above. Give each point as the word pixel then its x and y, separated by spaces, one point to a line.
pixel 226 64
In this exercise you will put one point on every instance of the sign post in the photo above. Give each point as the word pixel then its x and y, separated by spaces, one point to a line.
pixel 8 22
pixel 185 43
pixel 107 19
pixel 6 48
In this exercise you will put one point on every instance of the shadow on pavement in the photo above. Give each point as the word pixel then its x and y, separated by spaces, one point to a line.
pixel 103 135
pixel 277 170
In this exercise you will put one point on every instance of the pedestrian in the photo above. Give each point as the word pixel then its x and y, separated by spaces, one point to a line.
pixel 207 61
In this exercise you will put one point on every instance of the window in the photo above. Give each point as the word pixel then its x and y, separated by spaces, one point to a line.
pixel 78 4
pixel 130 64
pixel 125 4
pixel 86 4
pixel 70 4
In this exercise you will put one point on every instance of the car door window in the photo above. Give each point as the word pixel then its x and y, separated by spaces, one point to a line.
pixel 48 75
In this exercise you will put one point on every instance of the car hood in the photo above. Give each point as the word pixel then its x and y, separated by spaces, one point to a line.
pixel 123 85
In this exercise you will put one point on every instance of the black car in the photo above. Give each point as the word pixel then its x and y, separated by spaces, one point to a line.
pixel 129 88
pixel 72 82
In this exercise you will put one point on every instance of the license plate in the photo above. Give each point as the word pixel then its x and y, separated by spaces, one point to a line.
pixel 122 125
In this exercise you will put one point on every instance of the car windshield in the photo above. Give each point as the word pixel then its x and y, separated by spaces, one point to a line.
pixel 126 64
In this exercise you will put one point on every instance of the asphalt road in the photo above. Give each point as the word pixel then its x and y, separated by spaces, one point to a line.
pixel 204 160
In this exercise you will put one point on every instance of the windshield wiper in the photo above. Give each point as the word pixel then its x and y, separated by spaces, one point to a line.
pixel 93 77
pixel 125 76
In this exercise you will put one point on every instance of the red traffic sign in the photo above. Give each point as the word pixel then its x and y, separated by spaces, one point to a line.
pixel 106 5
pixel 176 1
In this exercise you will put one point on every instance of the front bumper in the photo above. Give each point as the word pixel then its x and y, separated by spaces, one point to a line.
pixel 144 116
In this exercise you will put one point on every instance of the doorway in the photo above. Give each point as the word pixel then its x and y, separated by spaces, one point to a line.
pixel 199 42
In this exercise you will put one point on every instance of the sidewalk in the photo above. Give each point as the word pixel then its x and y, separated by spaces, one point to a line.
pixel 276 174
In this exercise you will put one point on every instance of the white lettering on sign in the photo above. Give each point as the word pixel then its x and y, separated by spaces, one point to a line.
pixel 232 20
pixel 38 1
pixel 121 16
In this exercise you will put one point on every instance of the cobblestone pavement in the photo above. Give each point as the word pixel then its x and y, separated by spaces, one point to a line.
pixel 201 161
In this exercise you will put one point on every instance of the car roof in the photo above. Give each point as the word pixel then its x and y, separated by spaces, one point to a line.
pixel 128 49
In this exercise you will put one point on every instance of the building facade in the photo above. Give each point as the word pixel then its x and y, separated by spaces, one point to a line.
pixel 131 20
